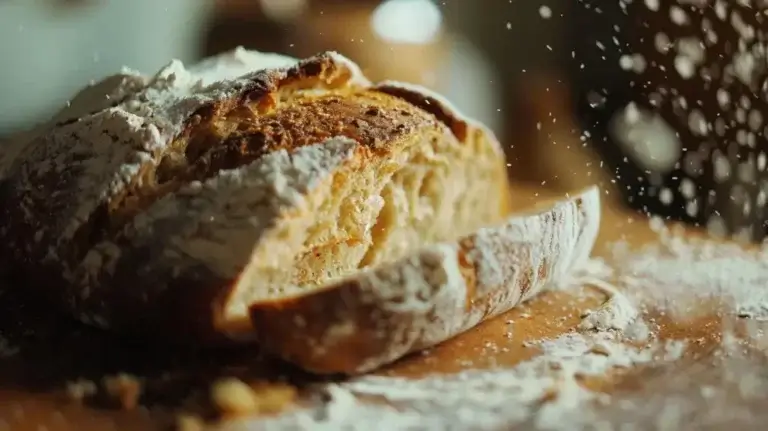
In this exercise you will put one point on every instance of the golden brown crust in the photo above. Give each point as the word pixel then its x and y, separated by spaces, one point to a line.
pixel 375 121
pixel 426 102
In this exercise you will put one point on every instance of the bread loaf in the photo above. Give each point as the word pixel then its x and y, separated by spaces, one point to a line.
pixel 167 205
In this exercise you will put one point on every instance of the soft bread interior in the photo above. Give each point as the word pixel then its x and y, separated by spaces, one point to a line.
pixel 376 209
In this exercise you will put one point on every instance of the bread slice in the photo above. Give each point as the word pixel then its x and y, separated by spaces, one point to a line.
pixel 380 314
pixel 166 205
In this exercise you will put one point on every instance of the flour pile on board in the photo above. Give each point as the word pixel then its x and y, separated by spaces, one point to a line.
pixel 680 275
pixel 543 392
pixel 724 391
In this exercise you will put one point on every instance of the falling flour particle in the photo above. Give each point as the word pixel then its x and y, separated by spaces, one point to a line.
pixel 678 15
pixel 652 4
pixel 685 67
pixel 665 196
pixel 545 12
pixel 647 138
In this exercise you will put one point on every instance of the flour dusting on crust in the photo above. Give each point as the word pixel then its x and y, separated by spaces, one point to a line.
pixel 426 298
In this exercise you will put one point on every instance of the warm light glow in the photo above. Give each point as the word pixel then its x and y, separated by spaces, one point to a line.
pixel 283 10
pixel 407 21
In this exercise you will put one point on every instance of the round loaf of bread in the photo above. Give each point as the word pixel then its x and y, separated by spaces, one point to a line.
pixel 166 205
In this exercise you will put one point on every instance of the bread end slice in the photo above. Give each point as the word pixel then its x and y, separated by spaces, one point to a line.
pixel 381 314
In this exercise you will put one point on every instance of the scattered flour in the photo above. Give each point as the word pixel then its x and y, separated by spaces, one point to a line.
pixel 543 392
pixel 616 313
pixel 679 275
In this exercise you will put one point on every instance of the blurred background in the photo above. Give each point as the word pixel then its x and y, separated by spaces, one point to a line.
pixel 549 77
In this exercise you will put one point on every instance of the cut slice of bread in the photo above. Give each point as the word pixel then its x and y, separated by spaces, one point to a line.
pixel 383 313
pixel 172 203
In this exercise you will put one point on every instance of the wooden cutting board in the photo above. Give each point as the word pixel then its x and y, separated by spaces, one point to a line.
pixel 43 352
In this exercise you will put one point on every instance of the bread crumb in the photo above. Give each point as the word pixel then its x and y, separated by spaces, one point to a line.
pixel 637 331
pixel 617 313
pixel 600 349
pixel 549 395
pixel 233 396
pixel 275 398
pixel 81 389
pixel 124 388
pixel 187 422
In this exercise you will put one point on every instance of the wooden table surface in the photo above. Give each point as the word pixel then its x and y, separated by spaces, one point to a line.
pixel 43 352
